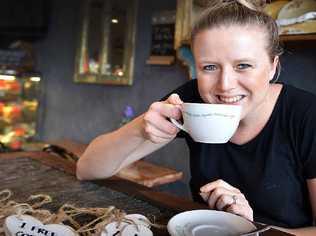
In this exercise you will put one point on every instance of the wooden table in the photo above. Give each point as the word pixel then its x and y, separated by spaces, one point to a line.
pixel 27 173
pixel 141 172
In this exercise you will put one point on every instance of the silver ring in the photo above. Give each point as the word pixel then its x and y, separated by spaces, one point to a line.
pixel 235 198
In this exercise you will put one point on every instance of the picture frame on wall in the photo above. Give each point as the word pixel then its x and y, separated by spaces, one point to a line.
pixel 106 46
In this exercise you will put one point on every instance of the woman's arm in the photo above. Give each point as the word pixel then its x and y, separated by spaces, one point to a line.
pixel 308 231
pixel 109 153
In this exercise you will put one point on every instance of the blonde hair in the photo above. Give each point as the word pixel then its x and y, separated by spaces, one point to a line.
pixel 239 12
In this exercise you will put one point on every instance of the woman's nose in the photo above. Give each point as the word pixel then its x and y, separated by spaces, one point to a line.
pixel 226 80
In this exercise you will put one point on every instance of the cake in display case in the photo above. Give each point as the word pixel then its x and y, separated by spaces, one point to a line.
pixel 19 101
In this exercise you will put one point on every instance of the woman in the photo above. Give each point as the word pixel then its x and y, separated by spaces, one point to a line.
pixel 266 172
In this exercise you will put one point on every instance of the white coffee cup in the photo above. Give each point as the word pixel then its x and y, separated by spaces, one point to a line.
pixel 209 123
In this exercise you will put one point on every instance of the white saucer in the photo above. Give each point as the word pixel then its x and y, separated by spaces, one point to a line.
pixel 208 222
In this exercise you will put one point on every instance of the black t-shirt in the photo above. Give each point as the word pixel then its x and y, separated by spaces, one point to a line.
pixel 271 169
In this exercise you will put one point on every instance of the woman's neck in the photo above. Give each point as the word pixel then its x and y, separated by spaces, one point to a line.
pixel 253 124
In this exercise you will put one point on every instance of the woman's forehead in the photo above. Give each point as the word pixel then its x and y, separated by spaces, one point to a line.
pixel 239 39
pixel 234 31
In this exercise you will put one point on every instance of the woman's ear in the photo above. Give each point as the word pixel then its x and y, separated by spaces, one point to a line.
pixel 274 67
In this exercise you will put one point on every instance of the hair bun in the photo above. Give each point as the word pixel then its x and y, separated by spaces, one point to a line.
pixel 253 4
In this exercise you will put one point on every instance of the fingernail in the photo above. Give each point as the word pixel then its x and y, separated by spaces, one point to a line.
pixel 203 196
pixel 177 98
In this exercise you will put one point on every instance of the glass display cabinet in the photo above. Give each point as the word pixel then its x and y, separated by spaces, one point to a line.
pixel 18 109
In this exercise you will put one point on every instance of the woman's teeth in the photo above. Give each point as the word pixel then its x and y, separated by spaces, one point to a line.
pixel 230 99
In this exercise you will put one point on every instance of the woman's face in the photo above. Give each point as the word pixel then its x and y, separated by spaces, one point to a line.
pixel 233 66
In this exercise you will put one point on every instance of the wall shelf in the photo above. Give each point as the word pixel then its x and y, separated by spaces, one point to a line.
pixel 186 11
pixel 298 37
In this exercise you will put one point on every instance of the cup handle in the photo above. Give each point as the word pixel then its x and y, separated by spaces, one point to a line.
pixel 176 123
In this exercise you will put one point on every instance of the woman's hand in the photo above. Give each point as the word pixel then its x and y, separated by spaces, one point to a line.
pixel 222 196
pixel 157 128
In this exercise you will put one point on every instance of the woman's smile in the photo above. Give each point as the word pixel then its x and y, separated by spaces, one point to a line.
pixel 230 99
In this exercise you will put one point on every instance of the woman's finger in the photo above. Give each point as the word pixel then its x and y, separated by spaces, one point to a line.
pixel 154 131
pixel 216 184
pixel 215 195
pixel 174 99
pixel 155 120
pixel 205 195
pixel 226 200
pixel 166 110
pixel 241 210
pixel 157 139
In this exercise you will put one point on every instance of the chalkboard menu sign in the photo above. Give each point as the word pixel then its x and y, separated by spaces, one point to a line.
pixel 162 40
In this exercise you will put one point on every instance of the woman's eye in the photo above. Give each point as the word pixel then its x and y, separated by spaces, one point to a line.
pixel 209 67
pixel 243 66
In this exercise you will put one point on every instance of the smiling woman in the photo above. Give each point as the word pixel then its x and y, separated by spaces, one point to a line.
pixel 266 171
pixel 106 47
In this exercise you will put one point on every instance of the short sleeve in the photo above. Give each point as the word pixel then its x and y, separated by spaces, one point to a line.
pixel 307 142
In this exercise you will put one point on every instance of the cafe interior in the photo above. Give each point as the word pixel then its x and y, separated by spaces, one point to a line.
pixel 72 70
